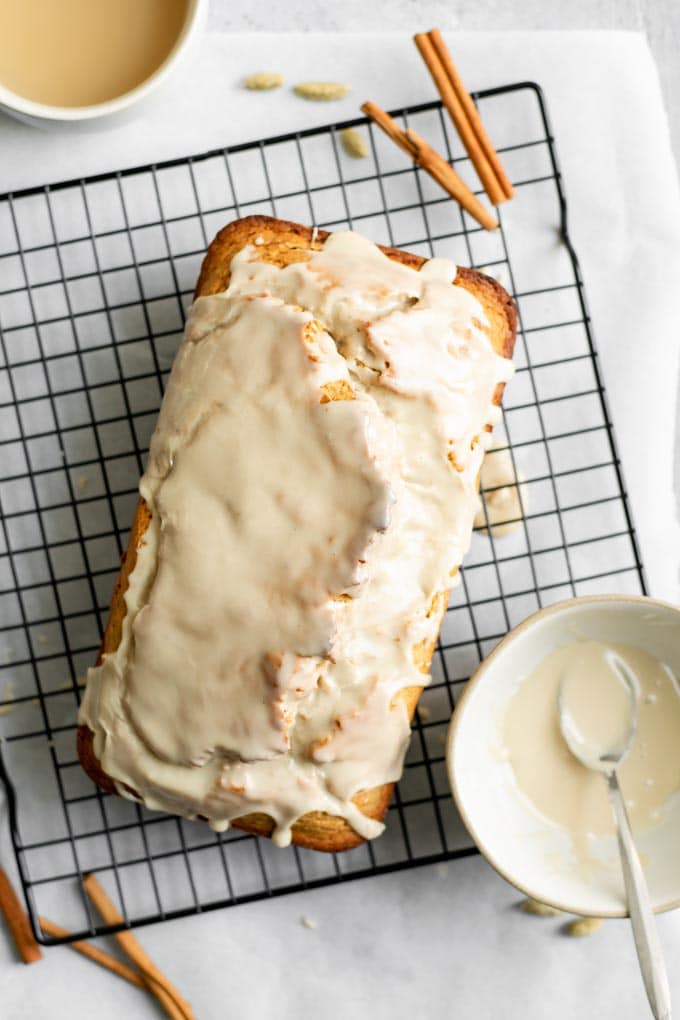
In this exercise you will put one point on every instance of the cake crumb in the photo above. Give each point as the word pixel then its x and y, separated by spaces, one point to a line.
pixel 424 713
pixel 307 922
pixel 42 639
pixel 83 482
pixel 8 695
pixel 582 926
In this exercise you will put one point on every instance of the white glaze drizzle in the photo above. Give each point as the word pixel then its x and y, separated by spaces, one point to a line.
pixel 284 586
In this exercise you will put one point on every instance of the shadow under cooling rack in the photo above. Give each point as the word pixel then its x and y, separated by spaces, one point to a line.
pixel 95 277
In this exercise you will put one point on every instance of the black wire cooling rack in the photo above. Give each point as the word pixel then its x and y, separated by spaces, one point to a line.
pixel 95 275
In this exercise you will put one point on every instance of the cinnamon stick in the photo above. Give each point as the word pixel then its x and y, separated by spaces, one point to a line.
pixel 432 163
pixel 17 922
pixel 173 1003
pixel 463 111
pixel 98 955
pixel 460 119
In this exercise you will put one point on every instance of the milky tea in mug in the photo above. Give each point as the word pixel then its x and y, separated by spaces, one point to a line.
pixel 72 53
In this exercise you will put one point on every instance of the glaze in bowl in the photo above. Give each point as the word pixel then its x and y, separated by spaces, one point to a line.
pixel 530 851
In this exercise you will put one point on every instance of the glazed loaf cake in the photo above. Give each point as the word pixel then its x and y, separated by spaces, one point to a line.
pixel 309 497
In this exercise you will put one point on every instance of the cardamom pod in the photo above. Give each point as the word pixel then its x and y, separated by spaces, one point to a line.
pixel 539 909
pixel 324 90
pixel 263 81
pixel 354 143
pixel 583 926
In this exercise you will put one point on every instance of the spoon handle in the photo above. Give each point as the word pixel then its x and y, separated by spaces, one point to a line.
pixel 640 910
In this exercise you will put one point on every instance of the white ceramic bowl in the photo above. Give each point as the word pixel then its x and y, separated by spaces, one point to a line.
pixel 531 852
pixel 44 114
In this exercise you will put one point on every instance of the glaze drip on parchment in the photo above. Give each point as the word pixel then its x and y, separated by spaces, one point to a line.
pixel 312 483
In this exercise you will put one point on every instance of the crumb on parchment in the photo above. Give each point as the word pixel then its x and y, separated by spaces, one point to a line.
pixel 8 695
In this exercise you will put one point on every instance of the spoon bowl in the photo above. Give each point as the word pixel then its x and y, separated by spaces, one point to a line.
pixel 581 737
pixel 599 756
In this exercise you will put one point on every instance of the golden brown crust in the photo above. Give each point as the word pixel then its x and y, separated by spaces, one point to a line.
pixel 282 243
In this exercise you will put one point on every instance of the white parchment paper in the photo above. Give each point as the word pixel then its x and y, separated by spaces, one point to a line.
pixel 603 95
pixel 444 939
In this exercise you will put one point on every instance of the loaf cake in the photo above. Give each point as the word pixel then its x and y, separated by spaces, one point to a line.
pixel 308 499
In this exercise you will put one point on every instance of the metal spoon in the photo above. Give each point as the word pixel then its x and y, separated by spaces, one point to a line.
pixel 606 760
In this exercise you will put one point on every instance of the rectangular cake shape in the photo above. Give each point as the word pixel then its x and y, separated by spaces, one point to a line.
pixel 393 373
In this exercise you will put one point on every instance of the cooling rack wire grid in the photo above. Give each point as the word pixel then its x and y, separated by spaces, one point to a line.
pixel 95 277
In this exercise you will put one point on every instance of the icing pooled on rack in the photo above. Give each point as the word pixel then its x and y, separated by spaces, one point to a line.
pixel 312 487
pixel 505 496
